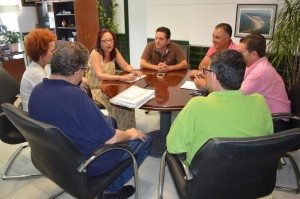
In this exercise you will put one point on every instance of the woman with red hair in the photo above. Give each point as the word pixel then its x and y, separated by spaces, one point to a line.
pixel 39 47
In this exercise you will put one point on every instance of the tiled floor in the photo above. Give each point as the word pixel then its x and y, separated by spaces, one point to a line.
pixel 42 188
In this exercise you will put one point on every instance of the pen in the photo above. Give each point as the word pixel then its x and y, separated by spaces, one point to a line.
pixel 146 85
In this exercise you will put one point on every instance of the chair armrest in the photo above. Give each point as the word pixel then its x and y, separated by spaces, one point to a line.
pixel 180 159
pixel 104 149
pixel 277 116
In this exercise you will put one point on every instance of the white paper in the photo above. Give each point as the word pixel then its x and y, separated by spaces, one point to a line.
pixel 136 78
pixel 133 97
pixel 189 85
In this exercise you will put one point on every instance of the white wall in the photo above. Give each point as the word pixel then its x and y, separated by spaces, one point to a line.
pixel 137 30
pixel 27 18
pixel 194 20
pixel 189 20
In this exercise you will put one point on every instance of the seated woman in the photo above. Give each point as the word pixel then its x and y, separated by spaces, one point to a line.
pixel 102 63
pixel 39 47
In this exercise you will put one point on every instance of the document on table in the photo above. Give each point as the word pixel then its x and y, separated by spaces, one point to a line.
pixel 133 97
pixel 189 85
pixel 136 78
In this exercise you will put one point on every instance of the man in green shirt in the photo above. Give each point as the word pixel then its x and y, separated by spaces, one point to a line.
pixel 225 112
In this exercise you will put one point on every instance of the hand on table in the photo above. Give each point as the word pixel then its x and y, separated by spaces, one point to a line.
pixel 137 73
pixel 128 77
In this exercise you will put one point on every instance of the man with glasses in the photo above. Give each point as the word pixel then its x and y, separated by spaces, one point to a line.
pixel 60 102
pixel 162 54
pixel 225 112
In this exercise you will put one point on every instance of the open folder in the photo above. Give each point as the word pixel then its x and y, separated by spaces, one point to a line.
pixel 133 97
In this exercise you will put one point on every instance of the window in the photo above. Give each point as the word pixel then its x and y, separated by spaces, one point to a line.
pixel 9 13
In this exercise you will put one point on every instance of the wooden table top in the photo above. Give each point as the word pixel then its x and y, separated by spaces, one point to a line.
pixel 168 94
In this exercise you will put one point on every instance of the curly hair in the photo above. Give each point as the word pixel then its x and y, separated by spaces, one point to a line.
pixel 37 43
pixel 113 53
pixel 68 58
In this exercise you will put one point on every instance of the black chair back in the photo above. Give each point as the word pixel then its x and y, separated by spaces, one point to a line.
pixel 9 88
pixel 239 167
pixel 294 96
pixel 52 152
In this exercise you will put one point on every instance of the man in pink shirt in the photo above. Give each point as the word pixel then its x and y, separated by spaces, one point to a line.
pixel 221 39
pixel 261 77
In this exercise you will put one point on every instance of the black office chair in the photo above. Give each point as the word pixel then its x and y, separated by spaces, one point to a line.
pixel 57 157
pixel 232 168
pixel 294 122
pixel 9 88
pixel 88 91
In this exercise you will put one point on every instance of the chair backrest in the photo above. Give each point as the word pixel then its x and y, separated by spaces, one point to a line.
pixel 9 87
pixel 51 152
pixel 294 96
pixel 238 168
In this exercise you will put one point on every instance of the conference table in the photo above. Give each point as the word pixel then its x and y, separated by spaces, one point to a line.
pixel 168 97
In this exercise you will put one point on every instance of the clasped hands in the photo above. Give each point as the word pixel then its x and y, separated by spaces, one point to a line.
pixel 162 67
pixel 199 78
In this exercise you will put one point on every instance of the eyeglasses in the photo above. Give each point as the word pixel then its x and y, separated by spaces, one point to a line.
pixel 85 69
pixel 205 71
pixel 106 41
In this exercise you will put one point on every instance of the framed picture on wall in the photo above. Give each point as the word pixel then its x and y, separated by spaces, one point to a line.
pixel 29 2
pixel 258 18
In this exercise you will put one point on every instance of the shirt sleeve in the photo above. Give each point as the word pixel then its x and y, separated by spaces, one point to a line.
pixel 147 52
pixel 211 51
pixel 251 84
pixel 180 136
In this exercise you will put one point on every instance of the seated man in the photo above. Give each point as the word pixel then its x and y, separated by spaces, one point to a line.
pixel 60 102
pixel 225 112
pixel 261 77
pixel 162 54
pixel 221 39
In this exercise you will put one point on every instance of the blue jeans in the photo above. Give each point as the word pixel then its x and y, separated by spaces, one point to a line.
pixel 139 148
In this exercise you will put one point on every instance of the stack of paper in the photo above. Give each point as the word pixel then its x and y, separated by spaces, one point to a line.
pixel 133 97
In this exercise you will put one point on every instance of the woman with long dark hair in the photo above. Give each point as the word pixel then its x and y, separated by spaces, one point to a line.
pixel 102 63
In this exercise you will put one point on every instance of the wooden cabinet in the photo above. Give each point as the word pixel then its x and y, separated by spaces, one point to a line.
pixel 87 22
pixel 81 18
pixel 65 23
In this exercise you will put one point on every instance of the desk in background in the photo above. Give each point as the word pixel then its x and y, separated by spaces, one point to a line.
pixel 14 64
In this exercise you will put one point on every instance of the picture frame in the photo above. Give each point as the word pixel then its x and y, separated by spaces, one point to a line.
pixel 259 18
pixel 29 2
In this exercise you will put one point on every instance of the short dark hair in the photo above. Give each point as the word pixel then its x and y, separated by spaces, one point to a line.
pixel 229 67
pixel 68 58
pixel 164 30
pixel 226 27
pixel 255 42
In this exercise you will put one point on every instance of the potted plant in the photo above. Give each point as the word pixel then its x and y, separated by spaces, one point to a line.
pixel 107 14
pixel 11 38
pixel 284 47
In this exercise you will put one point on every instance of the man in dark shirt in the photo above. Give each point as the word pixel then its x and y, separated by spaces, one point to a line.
pixel 60 102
